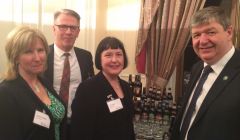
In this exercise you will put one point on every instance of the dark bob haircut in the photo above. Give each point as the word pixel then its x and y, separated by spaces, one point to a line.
pixel 106 43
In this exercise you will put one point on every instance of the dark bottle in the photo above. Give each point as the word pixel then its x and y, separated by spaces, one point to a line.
pixel 178 107
pixel 145 111
pixel 165 108
pixel 130 81
pixel 154 93
pixel 172 120
pixel 166 116
pixel 152 111
pixel 169 98
pixel 166 136
pixel 137 111
pixel 149 94
pixel 137 88
pixel 159 113
pixel 158 95
pixel 164 98
pixel 144 94
pixel 174 109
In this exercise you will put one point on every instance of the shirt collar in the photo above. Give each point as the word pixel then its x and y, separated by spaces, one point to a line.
pixel 60 52
pixel 217 67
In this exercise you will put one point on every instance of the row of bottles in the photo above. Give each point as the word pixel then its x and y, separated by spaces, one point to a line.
pixel 152 104
pixel 155 105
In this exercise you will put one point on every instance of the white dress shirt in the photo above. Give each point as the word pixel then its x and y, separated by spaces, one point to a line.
pixel 75 74
pixel 217 68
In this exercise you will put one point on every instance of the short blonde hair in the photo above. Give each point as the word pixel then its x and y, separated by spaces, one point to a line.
pixel 18 40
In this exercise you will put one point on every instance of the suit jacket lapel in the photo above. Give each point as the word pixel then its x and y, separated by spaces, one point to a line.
pixel 50 63
pixel 51 57
pixel 196 72
pixel 228 73
pixel 81 63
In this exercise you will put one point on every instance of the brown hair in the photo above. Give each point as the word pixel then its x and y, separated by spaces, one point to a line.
pixel 211 13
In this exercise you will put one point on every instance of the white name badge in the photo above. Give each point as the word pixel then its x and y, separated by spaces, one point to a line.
pixel 114 105
pixel 41 119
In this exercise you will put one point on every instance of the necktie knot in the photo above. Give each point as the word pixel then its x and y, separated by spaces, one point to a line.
pixel 207 69
pixel 66 54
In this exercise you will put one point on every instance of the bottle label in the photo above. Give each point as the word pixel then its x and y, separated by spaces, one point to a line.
pixel 137 90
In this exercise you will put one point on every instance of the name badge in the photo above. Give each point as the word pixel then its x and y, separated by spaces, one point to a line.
pixel 114 105
pixel 41 119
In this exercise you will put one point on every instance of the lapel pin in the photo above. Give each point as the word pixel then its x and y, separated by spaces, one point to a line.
pixel 225 77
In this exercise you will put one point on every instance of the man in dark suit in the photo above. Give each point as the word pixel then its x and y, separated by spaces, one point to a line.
pixel 215 111
pixel 66 29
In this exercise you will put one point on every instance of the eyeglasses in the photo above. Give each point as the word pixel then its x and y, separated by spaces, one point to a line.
pixel 65 27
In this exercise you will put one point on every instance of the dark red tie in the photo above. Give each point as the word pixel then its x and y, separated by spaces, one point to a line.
pixel 64 87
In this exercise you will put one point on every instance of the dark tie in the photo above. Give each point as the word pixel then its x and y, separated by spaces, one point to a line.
pixel 65 82
pixel 192 105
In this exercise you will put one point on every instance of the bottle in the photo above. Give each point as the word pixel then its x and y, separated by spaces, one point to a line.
pixel 137 111
pixel 144 94
pixel 154 93
pixel 166 116
pixel 145 112
pixel 149 94
pixel 164 98
pixel 159 113
pixel 130 81
pixel 165 108
pixel 170 98
pixel 174 109
pixel 158 96
pixel 152 111
pixel 137 88
pixel 166 136
pixel 172 120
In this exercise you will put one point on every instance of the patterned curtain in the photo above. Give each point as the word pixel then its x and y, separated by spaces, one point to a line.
pixel 162 37
pixel 235 19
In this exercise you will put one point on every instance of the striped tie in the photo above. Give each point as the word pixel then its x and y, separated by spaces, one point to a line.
pixel 192 105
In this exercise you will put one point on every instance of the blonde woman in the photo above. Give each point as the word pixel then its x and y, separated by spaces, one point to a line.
pixel 30 108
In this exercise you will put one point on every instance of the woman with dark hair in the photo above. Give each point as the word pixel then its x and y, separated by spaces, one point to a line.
pixel 103 108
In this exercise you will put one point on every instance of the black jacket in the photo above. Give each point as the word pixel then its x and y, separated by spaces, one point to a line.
pixel 18 104
pixel 218 116
pixel 91 119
